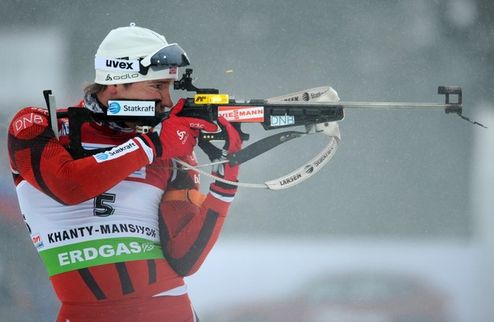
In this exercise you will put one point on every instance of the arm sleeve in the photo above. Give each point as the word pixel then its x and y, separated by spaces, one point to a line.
pixel 190 222
pixel 39 158
pixel 189 228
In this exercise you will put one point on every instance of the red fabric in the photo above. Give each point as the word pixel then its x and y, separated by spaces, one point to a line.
pixel 184 223
pixel 157 309
pixel 234 145
pixel 70 287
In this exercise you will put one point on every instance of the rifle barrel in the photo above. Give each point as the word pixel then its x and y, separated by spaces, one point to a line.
pixel 396 105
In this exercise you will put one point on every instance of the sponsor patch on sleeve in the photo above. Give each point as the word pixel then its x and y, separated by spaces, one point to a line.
pixel 26 121
pixel 116 152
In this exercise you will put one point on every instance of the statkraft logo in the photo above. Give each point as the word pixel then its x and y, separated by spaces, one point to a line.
pixel 116 152
pixel 114 108
pixel 102 156
pixel 131 107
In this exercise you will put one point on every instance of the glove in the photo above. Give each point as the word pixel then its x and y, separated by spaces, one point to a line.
pixel 176 136
pixel 225 170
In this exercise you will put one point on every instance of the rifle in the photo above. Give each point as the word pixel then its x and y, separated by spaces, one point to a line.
pixel 318 110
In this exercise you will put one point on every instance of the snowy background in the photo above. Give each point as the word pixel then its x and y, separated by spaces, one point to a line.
pixel 409 191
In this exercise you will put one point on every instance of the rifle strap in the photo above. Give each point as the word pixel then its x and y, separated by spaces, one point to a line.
pixel 251 151
pixel 262 146
pixel 213 152
pixel 298 175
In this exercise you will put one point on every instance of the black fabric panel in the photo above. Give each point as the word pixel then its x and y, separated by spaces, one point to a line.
pixel 124 277
pixel 88 278
pixel 151 271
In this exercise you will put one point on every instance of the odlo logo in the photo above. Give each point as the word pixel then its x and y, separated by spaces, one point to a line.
pixel 114 107
pixel 182 136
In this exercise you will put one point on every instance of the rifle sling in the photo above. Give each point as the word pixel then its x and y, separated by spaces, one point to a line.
pixel 262 146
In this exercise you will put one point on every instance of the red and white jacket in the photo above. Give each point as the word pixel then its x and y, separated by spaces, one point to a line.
pixel 114 225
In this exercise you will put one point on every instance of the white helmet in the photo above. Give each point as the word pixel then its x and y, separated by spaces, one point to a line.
pixel 134 54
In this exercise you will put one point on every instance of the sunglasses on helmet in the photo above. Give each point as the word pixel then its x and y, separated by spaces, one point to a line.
pixel 169 56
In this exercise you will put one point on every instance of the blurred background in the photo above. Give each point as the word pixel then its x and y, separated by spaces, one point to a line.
pixel 398 227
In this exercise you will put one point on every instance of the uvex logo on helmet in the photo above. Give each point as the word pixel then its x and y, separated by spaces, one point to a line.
pixel 118 64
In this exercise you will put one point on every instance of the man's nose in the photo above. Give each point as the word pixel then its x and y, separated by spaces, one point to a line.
pixel 166 100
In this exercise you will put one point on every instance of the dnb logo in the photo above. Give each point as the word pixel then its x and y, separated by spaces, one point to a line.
pixel 114 108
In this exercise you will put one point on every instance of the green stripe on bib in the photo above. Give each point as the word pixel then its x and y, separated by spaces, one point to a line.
pixel 98 252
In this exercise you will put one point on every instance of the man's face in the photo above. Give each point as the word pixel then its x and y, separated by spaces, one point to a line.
pixel 147 90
